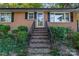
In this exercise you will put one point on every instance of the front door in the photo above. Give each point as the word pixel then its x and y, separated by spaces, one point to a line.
pixel 40 20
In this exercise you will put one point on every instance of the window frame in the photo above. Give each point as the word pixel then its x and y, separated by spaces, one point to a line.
pixel 33 15
pixel 6 13
pixel 64 16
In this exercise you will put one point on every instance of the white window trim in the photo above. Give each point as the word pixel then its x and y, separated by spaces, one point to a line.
pixel 64 15
pixel 28 15
pixel 5 13
pixel 37 19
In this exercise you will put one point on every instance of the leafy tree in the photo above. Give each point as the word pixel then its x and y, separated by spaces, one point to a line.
pixel 20 5
pixel 39 5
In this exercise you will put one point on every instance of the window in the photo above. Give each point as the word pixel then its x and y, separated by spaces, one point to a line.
pixel 30 15
pixel 5 17
pixel 67 16
pixel 59 17
pixel 52 17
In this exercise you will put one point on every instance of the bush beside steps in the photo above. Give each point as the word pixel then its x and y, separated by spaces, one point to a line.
pixel 14 42
pixel 64 41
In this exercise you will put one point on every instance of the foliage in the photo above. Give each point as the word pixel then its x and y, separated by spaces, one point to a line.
pixel 4 28
pixel 39 5
pixel 21 38
pixel 75 38
pixel 60 33
pixel 61 36
pixel 7 44
pixel 20 5
pixel 14 43
pixel 55 52
pixel 22 28
pixel 15 31
pixel 63 5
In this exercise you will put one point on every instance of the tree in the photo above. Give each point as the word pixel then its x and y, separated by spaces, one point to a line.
pixel 20 5
pixel 65 5
pixel 39 5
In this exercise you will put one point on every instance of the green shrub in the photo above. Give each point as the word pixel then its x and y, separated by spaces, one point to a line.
pixel 22 28
pixel 22 40
pixel 22 35
pixel 7 44
pixel 4 28
pixel 14 43
pixel 75 38
pixel 21 47
pixel 55 52
pixel 60 33
pixel 15 31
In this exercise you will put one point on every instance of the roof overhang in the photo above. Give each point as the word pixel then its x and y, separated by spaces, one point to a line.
pixel 37 9
pixel 77 10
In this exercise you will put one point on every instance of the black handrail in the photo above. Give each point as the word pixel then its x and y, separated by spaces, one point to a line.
pixel 77 25
pixel 31 31
pixel 32 27
pixel 50 35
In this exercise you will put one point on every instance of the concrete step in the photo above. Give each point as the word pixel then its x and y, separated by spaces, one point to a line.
pixel 38 45
pixel 39 50
pixel 39 40
pixel 38 37
pixel 42 34
pixel 40 28
pixel 40 31
pixel 38 54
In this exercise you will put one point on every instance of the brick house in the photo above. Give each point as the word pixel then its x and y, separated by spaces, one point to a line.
pixel 66 17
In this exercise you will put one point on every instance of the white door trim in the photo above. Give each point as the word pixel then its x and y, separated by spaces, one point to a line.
pixel 37 20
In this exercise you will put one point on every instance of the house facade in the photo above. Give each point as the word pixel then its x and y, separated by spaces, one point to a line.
pixel 66 17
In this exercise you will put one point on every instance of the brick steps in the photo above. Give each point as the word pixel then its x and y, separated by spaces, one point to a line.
pixel 39 50
pixel 39 40
pixel 39 54
pixel 39 34
pixel 39 37
pixel 40 31
pixel 39 44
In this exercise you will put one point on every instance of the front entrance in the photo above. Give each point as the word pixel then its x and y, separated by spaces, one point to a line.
pixel 40 19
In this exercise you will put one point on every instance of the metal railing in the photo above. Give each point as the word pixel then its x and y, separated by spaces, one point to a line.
pixel 31 31
pixel 50 35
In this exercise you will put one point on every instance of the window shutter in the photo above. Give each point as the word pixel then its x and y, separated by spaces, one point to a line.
pixel 12 17
pixel 35 14
pixel 48 16
pixel 71 16
pixel 26 15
